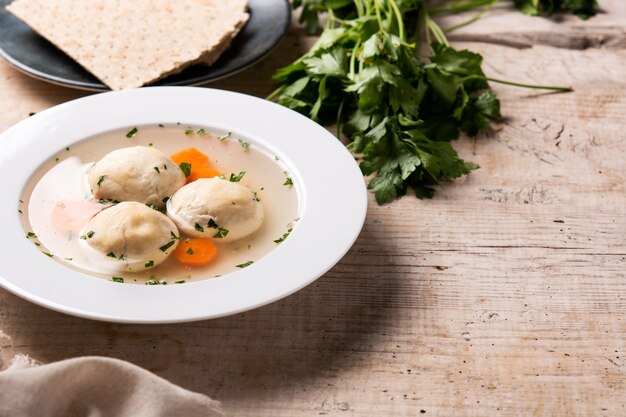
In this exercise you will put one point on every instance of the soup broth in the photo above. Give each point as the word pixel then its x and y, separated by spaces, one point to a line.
pixel 64 179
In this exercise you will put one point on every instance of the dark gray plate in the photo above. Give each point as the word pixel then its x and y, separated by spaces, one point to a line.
pixel 35 56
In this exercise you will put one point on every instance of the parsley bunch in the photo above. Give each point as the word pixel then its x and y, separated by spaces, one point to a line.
pixel 399 109
pixel 582 8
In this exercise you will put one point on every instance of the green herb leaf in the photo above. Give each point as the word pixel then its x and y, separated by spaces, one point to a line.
pixel 283 237
pixel 149 264
pixel 186 168
pixel 198 227
pixel 154 281
pixel 245 145
pixel 245 264
pixel 132 132
pixel 238 177
pixel 201 132
pixel 189 251
pixel 100 179
pixel 221 233
pixel 117 279
pixel 88 235
pixel 288 181
pixel 167 246
pixel 225 136
pixel 212 224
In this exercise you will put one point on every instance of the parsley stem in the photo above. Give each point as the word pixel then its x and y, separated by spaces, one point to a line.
pixel 378 16
pixel 276 92
pixel 473 19
pixel 399 19
pixel 338 123
pixel 435 29
pixel 463 7
pixel 539 87
pixel 357 45
pixel 359 7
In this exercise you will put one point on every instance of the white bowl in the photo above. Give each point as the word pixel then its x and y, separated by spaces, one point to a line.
pixel 331 193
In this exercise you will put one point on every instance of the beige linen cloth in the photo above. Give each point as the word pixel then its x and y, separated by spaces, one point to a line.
pixel 95 387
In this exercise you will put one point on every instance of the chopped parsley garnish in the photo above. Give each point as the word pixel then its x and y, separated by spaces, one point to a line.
pixel 67 148
pixel 255 196
pixel 161 125
pixel 201 132
pixel 198 227
pixel 245 264
pixel 30 234
pixel 167 246
pixel 224 136
pixel 165 199
pixel 238 177
pixel 88 235
pixel 221 232
pixel 103 201
pixel 189 132
pixel 288 181
pixel 173 236
pixel 19 211
pixel 283 237
pixel 276 158
pixel 47 254
pixel 37 243
pixel 117 279
pixel 122 257
pixel 189 251
pixel 155 282
pixel 165 167
pixel 100 179
pixel 69 259
pixel 151 144
pixel 149 264
pixel 111 255
pixel 182 281
pixel 245 145
pixel 132 132
pixel 186 168
pixel 157 170
pixel 153 207
pixel 212 224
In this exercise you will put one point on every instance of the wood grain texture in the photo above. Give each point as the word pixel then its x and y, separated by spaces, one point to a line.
pixel 503 295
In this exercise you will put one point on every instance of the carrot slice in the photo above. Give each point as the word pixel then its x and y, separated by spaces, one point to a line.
pixel 195 252
pixel 200 165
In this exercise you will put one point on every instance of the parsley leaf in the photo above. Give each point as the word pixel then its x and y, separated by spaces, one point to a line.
pixel 186 168
pixel 132 132
pixel 221 233
pixel 238 177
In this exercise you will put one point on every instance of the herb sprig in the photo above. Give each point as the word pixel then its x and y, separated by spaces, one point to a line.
pixel 399 108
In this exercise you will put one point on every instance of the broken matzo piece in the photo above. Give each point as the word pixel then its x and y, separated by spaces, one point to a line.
pixel 129 43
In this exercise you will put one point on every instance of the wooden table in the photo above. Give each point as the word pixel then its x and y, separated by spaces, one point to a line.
pixel 503 295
